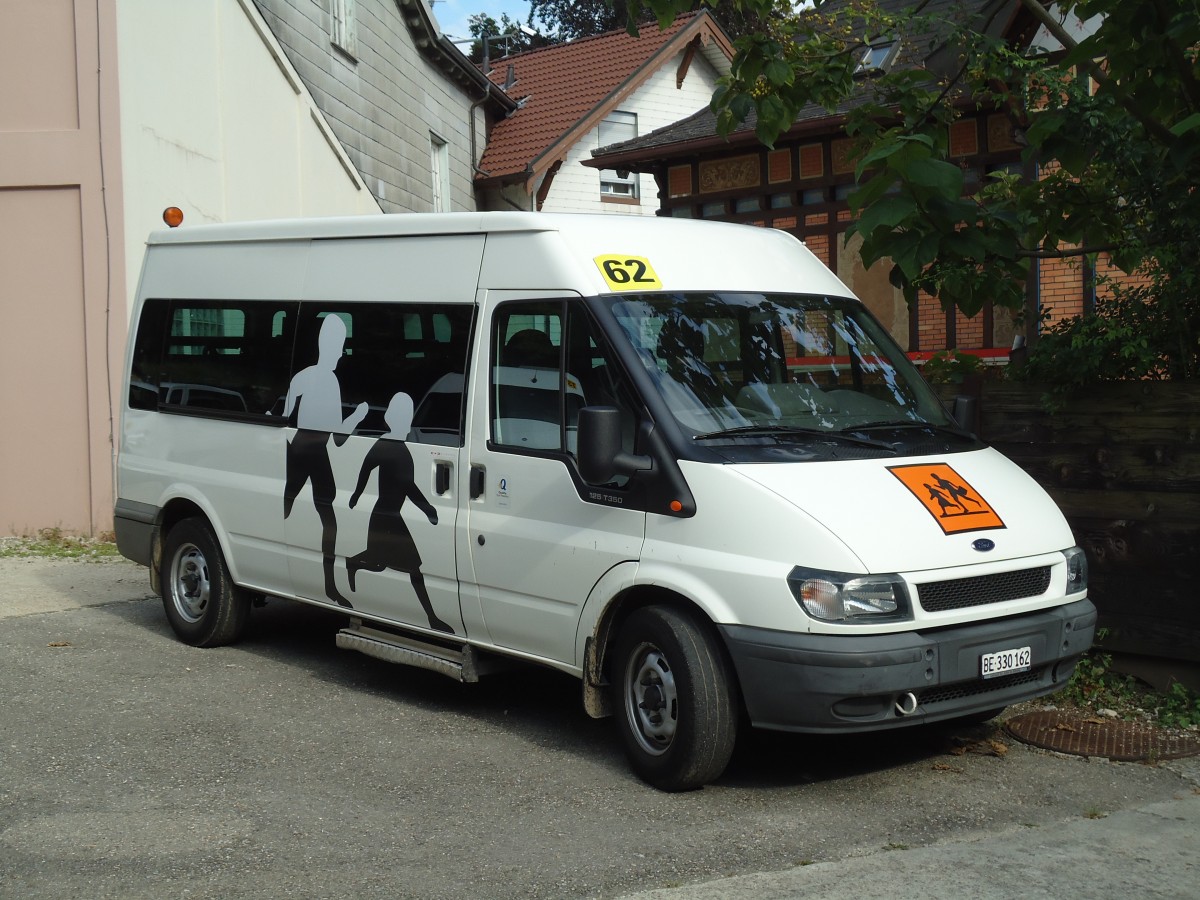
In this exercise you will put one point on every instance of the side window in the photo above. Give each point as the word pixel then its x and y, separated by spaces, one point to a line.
pixel 527 404
pixel 387 349
pixel 216 358
pixel 549 361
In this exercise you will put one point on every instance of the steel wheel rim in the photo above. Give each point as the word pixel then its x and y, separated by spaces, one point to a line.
pixel 651 699
pixel 190 585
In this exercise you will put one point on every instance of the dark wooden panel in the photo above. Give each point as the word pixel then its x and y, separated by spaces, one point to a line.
pixel 1123 463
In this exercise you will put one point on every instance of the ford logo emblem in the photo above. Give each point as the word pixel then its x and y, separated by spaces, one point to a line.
pixel 983 545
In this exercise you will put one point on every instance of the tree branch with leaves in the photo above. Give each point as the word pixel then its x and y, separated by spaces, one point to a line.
pixel 1110 127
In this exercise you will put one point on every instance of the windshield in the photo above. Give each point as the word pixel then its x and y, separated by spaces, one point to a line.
pixel 741 367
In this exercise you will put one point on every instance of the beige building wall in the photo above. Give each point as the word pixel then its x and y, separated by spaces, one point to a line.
pixel 113 110
pixel 61 302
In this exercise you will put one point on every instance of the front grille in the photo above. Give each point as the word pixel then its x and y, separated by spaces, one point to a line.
pixel 958 593
pixel 975 688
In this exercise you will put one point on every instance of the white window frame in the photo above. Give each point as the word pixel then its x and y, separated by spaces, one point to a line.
pixel 620 125
pixel 439 170
pixel 343 29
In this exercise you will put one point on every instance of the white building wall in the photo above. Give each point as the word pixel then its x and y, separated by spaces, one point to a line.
pixel 214 120
pixel 658 103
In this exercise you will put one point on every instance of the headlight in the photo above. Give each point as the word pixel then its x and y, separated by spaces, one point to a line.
pixel 1077 570
pixel 840 597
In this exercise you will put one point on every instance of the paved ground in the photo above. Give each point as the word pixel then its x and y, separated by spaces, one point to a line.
pixel 132 766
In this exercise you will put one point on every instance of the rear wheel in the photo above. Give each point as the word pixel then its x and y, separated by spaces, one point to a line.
pixel 203 605
pixel 674 695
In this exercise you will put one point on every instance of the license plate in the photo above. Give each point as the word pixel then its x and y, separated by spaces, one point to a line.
pixel 1005 662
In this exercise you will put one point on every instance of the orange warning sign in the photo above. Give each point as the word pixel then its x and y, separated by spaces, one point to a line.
pixel 949 498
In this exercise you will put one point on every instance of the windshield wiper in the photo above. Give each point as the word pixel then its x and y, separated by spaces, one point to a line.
pixel 793 431
pixel 909 424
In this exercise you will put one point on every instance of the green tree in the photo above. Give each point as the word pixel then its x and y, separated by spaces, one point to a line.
pixel 1116 145
pixel 516 40
pixel 569 20
pixel 566 20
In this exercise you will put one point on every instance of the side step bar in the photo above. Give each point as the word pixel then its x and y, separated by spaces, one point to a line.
pixel 465 664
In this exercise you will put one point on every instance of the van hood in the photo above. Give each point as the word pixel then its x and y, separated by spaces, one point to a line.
pixel 912 514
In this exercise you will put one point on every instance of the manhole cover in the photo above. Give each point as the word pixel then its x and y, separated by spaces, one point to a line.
pixel 1086 735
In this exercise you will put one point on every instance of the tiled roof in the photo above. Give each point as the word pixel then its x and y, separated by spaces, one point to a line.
pixel 565 89
pixel 917 51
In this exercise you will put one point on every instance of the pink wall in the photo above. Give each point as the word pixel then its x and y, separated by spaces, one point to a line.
pixel 61 265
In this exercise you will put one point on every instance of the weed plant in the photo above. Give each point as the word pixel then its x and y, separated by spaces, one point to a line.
pixel 1095 685
pixel 54 543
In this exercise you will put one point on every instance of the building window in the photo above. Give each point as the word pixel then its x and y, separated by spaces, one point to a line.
pixel 439 167
pixel 877 57
pixel 343 28
pixel 619 126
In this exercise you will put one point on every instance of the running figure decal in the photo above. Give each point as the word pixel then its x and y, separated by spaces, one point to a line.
pixel 390 544
pixel 948 497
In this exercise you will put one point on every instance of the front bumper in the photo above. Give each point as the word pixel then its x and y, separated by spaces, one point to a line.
pixel 825 683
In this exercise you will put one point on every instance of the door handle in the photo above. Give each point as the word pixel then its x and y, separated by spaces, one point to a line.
pixel 441 478
pixel 477 482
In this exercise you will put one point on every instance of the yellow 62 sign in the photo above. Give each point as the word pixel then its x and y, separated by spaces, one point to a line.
pixel 628 273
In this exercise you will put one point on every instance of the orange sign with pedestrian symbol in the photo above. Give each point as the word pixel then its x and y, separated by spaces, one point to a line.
pixel 948 497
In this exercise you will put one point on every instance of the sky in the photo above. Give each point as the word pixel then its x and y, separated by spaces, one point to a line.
pixel 452 15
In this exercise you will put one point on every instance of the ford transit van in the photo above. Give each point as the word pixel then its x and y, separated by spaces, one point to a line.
pixel 677 460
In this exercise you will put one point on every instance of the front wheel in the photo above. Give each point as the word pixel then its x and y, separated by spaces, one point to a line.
pixel 203 605
pixel 674 695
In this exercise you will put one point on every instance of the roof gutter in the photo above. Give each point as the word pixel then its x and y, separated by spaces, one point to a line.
pixel 441 51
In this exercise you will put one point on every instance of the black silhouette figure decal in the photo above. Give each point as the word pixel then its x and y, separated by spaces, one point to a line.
pixel 957 492
pixel 390 544
pixel 945 495
pixel 315 397
pixel 940 499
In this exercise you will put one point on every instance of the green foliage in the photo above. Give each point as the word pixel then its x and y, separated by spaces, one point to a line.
pixel 54 543
pixel 1113 147
pixel 569 20
pixel 1180 708
pixel 1095 685
pixel 482 25
pixel 951 367
pixel 1149 330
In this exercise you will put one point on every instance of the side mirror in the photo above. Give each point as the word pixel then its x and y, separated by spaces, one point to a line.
pixel 600 455
pixel 965 410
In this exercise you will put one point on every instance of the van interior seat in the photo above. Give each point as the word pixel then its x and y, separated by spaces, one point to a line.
pixel 530 347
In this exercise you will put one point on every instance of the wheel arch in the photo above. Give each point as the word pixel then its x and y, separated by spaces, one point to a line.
pixel 171 513
pixel 597 658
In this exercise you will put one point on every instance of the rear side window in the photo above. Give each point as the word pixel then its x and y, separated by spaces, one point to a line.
pixel 228 358
pixel 416 349
pixel 236 360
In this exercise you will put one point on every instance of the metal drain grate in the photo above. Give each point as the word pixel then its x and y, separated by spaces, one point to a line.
pixel 1084 735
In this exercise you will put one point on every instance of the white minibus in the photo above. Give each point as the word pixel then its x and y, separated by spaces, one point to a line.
pixel 677 460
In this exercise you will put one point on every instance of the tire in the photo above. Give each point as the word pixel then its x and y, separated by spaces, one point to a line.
pixel 673 691
pixel 203 605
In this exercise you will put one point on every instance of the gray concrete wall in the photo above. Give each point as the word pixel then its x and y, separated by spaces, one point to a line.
pixel 382 101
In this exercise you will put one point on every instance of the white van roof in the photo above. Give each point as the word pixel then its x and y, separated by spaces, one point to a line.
pixel 569 249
